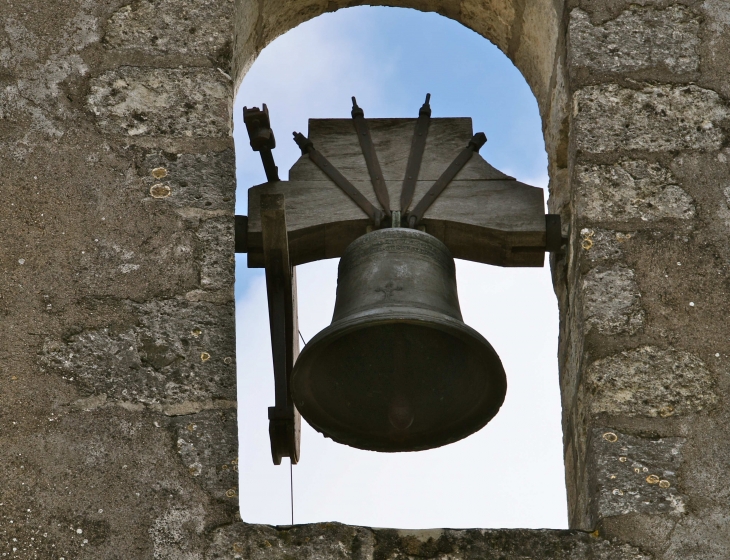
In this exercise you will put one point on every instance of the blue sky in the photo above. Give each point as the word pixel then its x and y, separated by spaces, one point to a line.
pixel 508 475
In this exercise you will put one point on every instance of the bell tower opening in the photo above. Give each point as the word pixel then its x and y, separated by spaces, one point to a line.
pixel 508 474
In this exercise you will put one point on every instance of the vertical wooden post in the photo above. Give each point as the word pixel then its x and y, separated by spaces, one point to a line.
pixel 284 419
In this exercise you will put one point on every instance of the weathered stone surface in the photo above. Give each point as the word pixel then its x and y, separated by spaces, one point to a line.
pixel 602 246
pixel 164 264
pixel 178 532
pixel 650 381
pixel 654 118
pixel 635 474
pixel 34 72
pixel 497 544
pixel 173 27
pixel 323 541
pixel 177 352
pixel 216 270
pixel 638 39
pixel 700 537
pixel 202 181
pixel 102 482
pixel 491 18
pixel 612 302
pixel 715 47
pixel 208 447
pixel 632 189
pixel 162 101
pixel 333 541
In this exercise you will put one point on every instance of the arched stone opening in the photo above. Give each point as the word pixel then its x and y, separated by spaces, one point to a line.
pixel 531 414
pixel 530 33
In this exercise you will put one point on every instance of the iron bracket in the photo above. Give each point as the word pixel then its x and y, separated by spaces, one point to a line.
pixel 554 239
pixel 262 138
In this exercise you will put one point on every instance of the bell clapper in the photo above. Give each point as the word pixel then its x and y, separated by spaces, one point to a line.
pixel 395 218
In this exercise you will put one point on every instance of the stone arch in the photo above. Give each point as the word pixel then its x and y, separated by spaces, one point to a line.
pixel 533 35
pixel 529 33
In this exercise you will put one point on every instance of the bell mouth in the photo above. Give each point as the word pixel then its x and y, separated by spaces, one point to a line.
pixel 404 380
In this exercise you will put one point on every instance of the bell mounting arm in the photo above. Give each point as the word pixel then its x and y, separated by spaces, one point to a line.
pixel 418 145
pixel 475 144
pixel 371 157
pixel 307 147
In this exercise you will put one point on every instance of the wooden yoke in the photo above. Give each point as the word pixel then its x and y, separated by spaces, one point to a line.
pixel 284 419
pixel 481 214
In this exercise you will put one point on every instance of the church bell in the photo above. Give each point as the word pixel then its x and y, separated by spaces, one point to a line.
pixel 397 370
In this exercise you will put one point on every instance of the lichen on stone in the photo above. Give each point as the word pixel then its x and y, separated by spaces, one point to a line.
pixel 651 382
pixel 635 474
pixel 208 448
pixel 205 182
pixel 602 246
pixel 156 361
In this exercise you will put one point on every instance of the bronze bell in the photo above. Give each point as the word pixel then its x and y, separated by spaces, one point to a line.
pixel 398 370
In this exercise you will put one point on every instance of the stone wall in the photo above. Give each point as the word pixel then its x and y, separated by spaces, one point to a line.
pixel 117 359
pixel 645 387
pixel 117 367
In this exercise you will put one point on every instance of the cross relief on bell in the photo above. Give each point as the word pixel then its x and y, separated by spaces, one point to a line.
pixel 397 369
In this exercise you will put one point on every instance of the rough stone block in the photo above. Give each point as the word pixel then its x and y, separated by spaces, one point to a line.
pixel 202 181
pixel 632 189
pixel 333 541
pixel 650 381
pixel 178 352
pixel 602 246
pixel 657 118
pixel 217 259
pixel 715 48
pixel 179 531
pixel 612 302
pixel 208 446
pixel 635 474
pixel 638 39
pixel 701 537
pixel 137 264
pixel 306 542
pixel 35 71
pixel 162 102
pixel 162 27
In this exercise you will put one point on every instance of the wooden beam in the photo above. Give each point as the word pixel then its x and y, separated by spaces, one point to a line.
pixel 284 419
pixel 498 222
pixel 337 141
